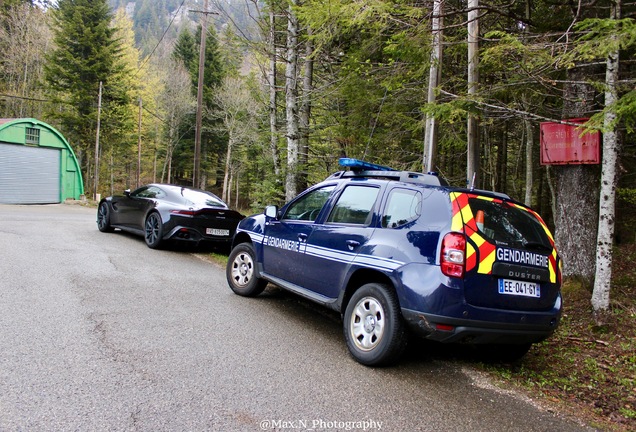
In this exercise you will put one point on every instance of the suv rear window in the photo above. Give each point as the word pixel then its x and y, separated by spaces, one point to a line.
pixel 504 224
pixel 403 206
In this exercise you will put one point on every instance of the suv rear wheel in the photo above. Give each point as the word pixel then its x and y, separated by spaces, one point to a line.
pixel 373 326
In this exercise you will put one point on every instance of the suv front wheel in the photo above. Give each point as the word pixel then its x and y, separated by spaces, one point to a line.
pixel 241 272
pixel 373 326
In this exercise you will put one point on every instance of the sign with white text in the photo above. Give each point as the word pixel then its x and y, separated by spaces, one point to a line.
pixel 563 144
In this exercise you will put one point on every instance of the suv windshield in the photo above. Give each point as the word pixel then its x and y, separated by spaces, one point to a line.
pixel 504 224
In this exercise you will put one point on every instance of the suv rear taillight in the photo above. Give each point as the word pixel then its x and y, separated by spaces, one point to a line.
pixel 453 255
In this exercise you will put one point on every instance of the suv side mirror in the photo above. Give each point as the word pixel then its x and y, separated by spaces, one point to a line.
pixel 271 211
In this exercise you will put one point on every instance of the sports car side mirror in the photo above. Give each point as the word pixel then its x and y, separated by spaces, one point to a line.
pixel 127 192
pixel 271 212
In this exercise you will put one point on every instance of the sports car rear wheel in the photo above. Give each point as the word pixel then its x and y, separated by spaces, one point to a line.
pixel 103 218
pixel 241 272
pixel 153 230
pixel 373 326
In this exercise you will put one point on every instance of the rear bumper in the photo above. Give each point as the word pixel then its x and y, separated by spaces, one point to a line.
pixel 521 328
pixel 191 234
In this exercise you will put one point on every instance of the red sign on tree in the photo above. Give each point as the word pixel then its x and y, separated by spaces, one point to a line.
pixel 564 145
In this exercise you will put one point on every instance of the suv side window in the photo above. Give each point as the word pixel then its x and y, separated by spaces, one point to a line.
pixel 402 207
pixel 354 205
pixel 308 207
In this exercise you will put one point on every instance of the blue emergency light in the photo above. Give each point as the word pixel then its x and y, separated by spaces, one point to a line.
pixel 360 165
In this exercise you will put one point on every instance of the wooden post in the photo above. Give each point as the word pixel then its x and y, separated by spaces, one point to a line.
pixel 99 113
pixel 139 146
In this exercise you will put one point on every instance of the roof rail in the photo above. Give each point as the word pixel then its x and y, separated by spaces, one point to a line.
pixel 360 168
pixel 402 176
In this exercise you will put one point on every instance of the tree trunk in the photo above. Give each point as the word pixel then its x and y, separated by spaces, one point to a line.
pixel 305 111
pixel 434 77
pixel 577 189
pixel 609 180
pixel 529 130
pixel 291 104
pixel 472 168
pixel 502 161
pixel 273 110
pixel 226 176
pixel 529 161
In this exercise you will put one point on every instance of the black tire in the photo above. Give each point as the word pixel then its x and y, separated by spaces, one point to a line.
pixel 241 271
pixel 373 326
pixel 153 230
pixel 103 218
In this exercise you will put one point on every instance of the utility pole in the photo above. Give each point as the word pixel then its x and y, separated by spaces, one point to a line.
pixel 196 175
pixel 99 113
pixel 197 139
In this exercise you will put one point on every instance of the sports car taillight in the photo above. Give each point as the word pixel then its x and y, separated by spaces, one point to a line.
pixel 183 212
pixel 453 255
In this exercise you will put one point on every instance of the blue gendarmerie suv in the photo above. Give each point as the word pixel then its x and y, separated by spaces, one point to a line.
pixel 399 252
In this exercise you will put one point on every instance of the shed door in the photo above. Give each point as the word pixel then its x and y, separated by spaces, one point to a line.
pixel 29 175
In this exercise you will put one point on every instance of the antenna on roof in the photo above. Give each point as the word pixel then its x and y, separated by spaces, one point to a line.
pixel 472 183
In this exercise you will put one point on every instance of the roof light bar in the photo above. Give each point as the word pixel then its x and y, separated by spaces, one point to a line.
pixel 360 165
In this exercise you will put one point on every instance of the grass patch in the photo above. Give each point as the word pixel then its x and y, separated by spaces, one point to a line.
pixel 218 258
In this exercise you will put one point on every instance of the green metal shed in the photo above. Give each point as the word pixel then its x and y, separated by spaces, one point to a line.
pixel 37 165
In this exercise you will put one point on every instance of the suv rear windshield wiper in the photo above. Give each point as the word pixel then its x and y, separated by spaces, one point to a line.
pixel 537 246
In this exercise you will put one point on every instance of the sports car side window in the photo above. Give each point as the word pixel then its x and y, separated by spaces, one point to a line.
pixel 309 205
pixel 354 205
pixel 150 192
pixel 402 207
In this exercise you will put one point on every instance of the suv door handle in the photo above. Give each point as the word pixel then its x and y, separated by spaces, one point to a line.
pixel 352 244
pixel 302 237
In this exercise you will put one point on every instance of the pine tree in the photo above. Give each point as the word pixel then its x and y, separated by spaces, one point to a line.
pixel 86 53
pixel 185 49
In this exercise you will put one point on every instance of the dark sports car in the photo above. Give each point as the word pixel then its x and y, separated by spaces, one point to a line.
pixel 161 212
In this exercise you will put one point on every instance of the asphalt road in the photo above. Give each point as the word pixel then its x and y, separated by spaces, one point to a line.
pixel 99 332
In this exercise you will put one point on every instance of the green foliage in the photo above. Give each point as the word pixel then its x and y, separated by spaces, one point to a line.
pixel 185 49
pixel 597 39
pixel 87 53
pixel 626 195
pixel 600 37
pixel 377 53
pixel 7 5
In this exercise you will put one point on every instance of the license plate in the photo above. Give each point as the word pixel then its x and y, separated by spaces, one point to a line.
pixel 519 288
pixel 217 232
